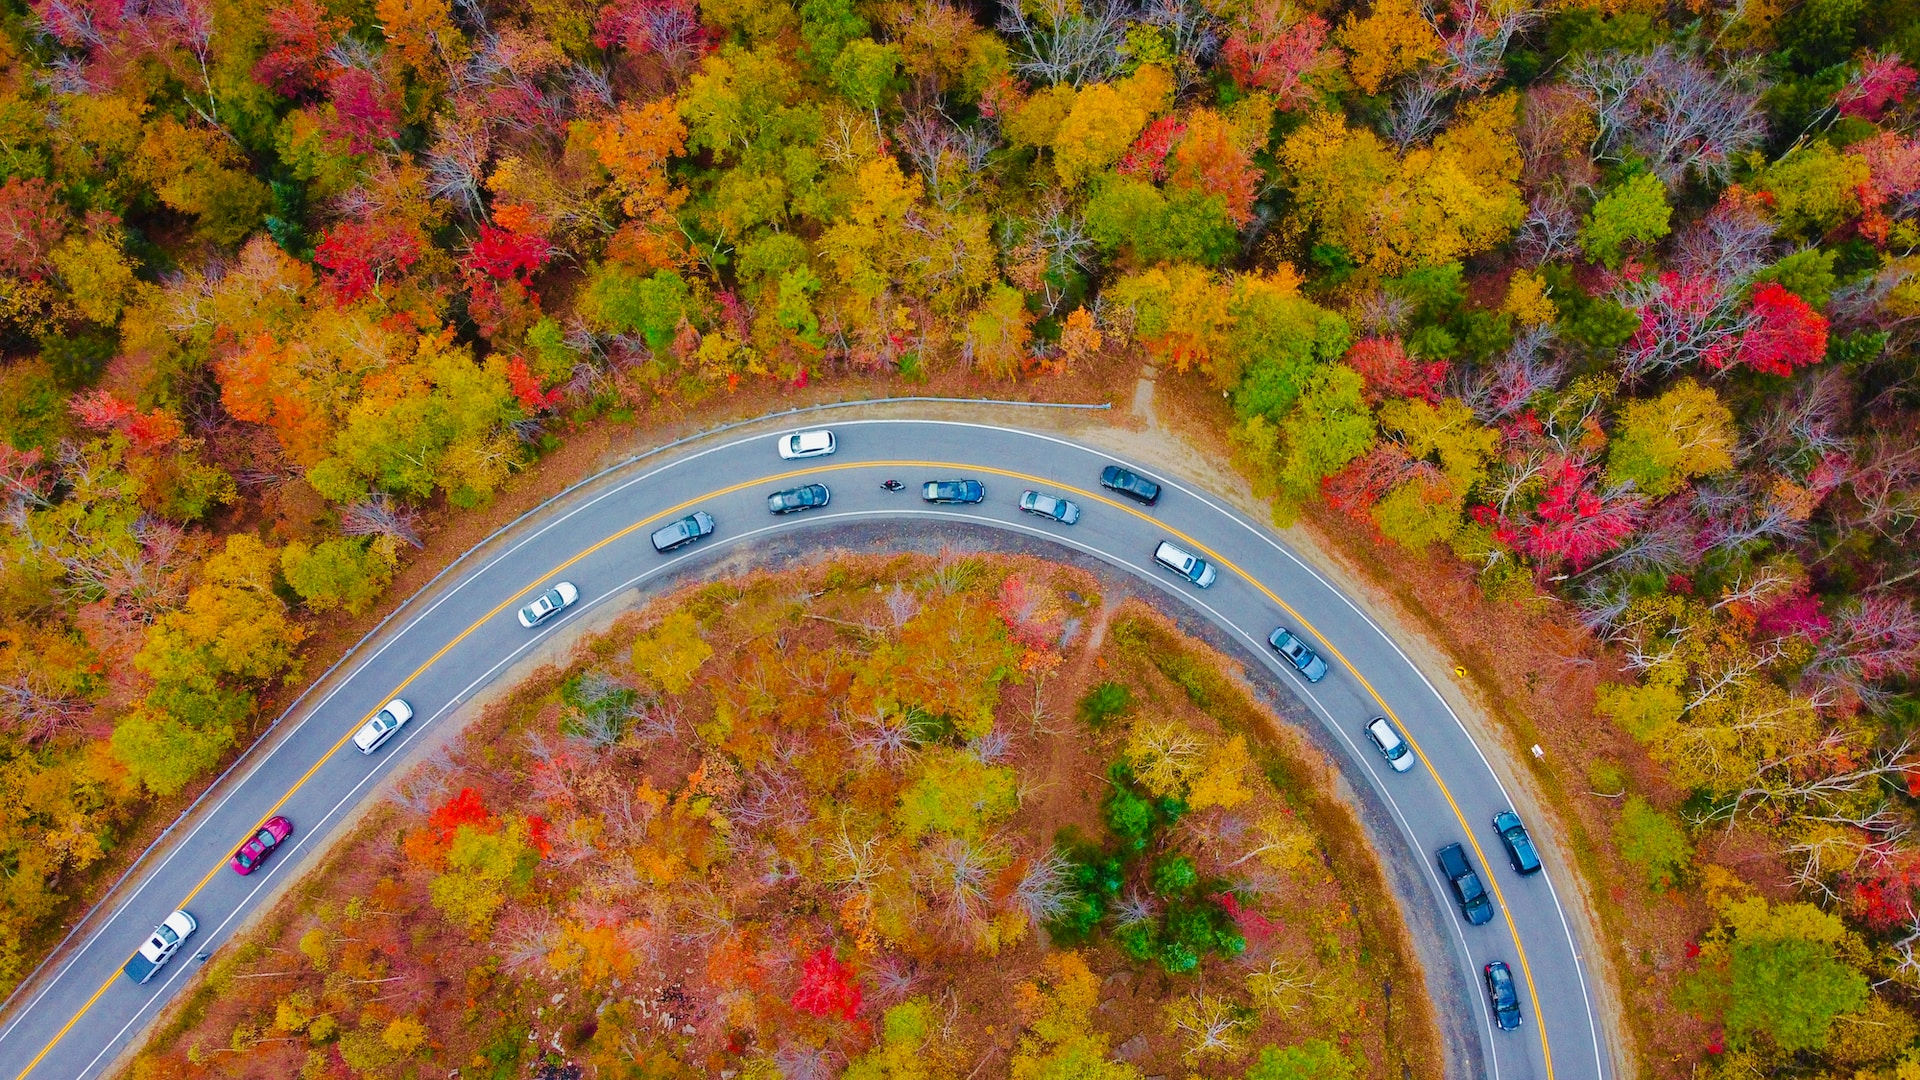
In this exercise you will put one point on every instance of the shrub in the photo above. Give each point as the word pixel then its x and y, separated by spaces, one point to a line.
pixel 1103 703
pixel 1652 841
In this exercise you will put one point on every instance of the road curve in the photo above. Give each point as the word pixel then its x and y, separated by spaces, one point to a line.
pixel 448 645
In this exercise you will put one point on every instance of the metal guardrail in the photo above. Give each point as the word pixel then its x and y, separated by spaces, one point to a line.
pixel 353 650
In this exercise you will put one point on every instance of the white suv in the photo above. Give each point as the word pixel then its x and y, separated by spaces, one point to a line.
pixel 1192 567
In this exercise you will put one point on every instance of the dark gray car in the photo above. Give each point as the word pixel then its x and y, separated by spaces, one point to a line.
pixel 801 498
pixel 685 531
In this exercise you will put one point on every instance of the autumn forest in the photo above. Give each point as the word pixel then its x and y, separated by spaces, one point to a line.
pixel 1611 304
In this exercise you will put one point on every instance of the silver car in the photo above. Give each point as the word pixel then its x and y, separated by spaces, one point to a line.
pixel 1047 506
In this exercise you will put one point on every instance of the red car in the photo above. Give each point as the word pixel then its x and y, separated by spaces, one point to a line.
pixel 255 850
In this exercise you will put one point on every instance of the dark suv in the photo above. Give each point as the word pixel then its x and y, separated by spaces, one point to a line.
pixel 1513 836
pixel 1137 488
pixel 685 531
pixel 1467 889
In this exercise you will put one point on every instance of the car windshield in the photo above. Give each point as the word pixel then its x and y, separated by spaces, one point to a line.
pixel 266 837
pixel 165 935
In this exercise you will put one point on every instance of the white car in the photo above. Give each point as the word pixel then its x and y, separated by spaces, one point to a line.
pixel 160 946
pixel 804 444
pixel 375 732
pixel 547 603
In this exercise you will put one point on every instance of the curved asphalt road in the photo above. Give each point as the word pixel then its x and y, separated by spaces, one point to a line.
pixel 83 1013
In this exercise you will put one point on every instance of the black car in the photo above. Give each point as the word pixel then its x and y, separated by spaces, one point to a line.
pixel 1513 836
pixel 801 498
pixel 953 491
pixel 1137 488
pixel 1500 992
pixel 1467 889
pixel 685 531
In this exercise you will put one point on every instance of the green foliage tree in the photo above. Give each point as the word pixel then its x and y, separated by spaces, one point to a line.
pixel 1151 226
pixel 1635 212
pixel 485 868
pixel 1784 978
pixel 1329 426
pixel 1314 1059
pixel 1652 841
pixel 622 302
pixel 1807 273
pixel 1104 702
pixel 342 573
pixel 955 793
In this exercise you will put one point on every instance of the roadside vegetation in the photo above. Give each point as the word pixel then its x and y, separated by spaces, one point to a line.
pixel 883 817
pixel 1612 302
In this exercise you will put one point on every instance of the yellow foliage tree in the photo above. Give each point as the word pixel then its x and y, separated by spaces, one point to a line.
pixel 672 653
pixel 1434 206
pixel 1222 780
pixel 1393 39
pixel 1528 300
pixel 1104 121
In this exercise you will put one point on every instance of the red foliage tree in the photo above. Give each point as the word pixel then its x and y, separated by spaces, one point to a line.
pixel 1885 900
pixel 1274 47
pixel 504 255
pixel 827 987
pixel 99 410
pixel 537 835
pixel 366 113
pixel 526 387
pixel 466 808
pixel 1882 80
pixel 1786 333
pixel 80 24
pixel 1874 639
pixel 32 221
pixel 1147 157
pixel 1391 373
pixel 301 32
pixel 1354 489
pixel 1790 614
pixel 1572 523
pixel 1253 925
pixel 669 30
pixel 361 255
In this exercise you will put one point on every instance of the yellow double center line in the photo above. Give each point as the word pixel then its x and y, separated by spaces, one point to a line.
pixel 681 508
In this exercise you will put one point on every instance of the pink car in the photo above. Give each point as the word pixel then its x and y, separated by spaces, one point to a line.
pixel 255 850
